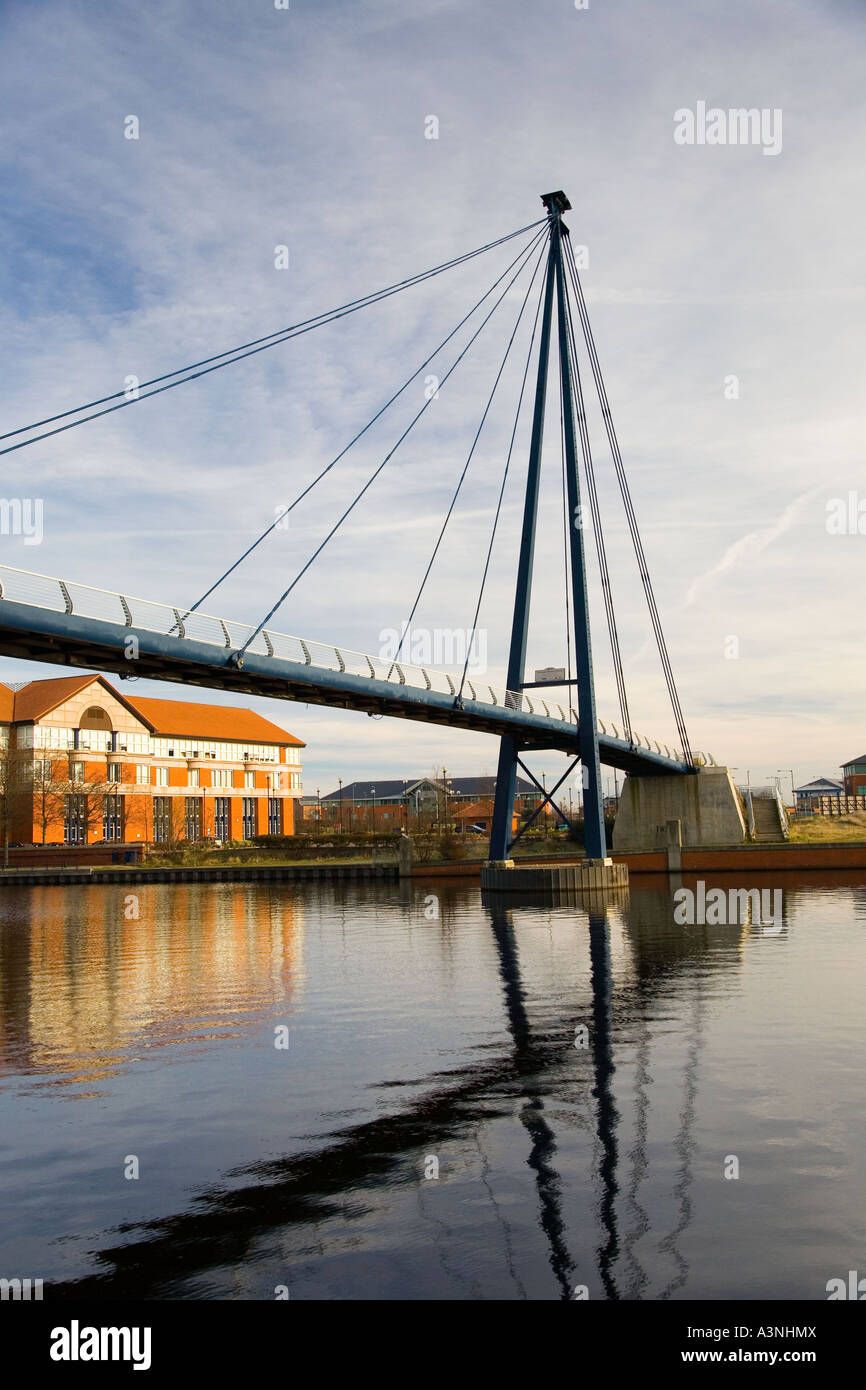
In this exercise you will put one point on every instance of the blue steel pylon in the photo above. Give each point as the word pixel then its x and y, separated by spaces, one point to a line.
pixel 593 806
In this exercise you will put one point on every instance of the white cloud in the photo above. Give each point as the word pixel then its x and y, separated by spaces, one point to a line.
pixel 306 128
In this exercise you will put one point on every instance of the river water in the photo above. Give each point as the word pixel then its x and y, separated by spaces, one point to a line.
pixel 353 1091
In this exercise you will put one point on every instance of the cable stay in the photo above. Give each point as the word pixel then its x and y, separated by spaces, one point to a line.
pixel 526 255
pixel 598 532
pixel 237 354
pixel 566 559
pixel 474 627
pixel 408 628
pixel 627 500
pixel 301 495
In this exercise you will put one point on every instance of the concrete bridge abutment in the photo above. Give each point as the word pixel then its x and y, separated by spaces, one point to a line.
pixel 699 810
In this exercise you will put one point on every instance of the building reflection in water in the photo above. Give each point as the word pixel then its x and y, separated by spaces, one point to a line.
pixel 245 958
pixel 89 977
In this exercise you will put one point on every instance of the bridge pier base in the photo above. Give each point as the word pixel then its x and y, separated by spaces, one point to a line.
pixel 705 808
pixel 588 876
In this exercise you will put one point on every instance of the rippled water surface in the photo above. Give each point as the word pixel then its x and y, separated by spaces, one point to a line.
pixel 581 1086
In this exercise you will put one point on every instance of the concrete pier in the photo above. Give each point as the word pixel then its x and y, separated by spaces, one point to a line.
pixel 698 811
pixel 595 876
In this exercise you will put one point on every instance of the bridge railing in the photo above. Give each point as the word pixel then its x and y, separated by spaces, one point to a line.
pixel 84 600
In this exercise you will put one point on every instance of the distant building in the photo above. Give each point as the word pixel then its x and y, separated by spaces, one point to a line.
pixel 416 802
pixel 83 762
pixel 808 796
pixel 854 773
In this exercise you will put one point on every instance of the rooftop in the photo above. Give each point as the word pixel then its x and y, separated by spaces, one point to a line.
pixel 385 788
pixel 164 718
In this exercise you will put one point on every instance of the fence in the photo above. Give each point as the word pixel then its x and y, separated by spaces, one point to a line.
pixel 837 805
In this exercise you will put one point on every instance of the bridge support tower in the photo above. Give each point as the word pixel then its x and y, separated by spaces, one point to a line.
pixel 500 873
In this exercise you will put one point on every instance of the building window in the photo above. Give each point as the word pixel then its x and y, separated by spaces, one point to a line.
pixel 192 817
pixel 77 772
pixel 296 780
pixel 75 819
pixel 220 777
pixel 221 817
pixel 112 817
pixel 47 736
pixel 114 773
pixel 161 819
pixel 162 776
pixel 142 774
pixel 194 777
pixel 861 791
pixel 249 779
pixel 42 770
pixel 249 810
pixel 275 780
pixel 275 816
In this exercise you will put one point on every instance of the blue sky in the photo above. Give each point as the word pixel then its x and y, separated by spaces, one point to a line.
pixel 262 127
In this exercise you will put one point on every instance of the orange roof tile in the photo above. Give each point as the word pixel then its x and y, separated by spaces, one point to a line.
pixel 474 810
pixel 183 719
pixel 7 704
pixel 40 697
pixel 178 718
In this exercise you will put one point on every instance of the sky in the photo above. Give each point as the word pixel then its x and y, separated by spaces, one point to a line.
pixel 372 140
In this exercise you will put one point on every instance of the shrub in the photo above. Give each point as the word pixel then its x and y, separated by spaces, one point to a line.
pixel 452 847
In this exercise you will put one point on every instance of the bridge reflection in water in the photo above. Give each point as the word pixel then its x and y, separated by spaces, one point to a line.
pixel 618 1173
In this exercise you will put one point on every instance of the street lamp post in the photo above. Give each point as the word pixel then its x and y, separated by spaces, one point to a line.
pixel 340 780
pixel 318 808
pixel 790 772
pixel 373 793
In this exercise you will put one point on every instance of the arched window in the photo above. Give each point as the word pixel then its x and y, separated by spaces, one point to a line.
pixel 95 718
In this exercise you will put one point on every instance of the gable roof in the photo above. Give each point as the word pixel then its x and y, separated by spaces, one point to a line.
pixel 848 761
pixel 183 719
pixel 397 787
pixel 819 783
pixel 38 698
pixel 172 718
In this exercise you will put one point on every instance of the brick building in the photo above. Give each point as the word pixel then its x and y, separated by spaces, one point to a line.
pixel 414 803
pixel 854 773
pixel 83 763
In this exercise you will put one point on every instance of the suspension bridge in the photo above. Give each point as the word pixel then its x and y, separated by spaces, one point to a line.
pixel 64 622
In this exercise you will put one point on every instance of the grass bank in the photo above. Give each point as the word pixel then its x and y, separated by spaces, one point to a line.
pixel 828 829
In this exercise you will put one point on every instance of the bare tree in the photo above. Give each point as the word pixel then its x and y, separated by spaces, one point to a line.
pixel 14 790
pixel 89 794
pixel 49 795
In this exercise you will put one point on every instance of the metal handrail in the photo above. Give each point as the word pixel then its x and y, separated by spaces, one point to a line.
pixel 86 600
